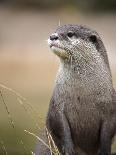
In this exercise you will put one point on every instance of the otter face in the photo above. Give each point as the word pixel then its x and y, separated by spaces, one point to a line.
pixel 74 42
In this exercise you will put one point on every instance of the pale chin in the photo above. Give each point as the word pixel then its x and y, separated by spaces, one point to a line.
pixel 59 52
pixel 55 49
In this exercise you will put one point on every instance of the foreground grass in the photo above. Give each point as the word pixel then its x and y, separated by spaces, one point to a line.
pixel 16 117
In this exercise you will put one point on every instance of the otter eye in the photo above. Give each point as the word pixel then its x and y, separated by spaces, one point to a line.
pixel 70 34
pixel 93 38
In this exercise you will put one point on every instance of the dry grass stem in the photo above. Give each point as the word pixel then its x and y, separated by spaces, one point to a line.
pixel 49 142
pixel 7 110
pixel 29 113
pixel 19 96
pixel 52 143
pixel 23 102
pixel 41 140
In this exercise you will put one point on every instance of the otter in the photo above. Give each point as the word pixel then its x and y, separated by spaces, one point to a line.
pixel 82 111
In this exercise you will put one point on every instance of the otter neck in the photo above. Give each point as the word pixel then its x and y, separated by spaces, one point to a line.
pixel 84 78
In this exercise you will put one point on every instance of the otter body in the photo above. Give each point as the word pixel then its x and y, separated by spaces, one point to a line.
pixel 82 111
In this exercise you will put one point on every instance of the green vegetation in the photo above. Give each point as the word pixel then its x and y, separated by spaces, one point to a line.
pixel 85 5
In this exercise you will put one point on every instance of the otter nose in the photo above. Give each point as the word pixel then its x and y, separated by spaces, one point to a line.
pixel 53 37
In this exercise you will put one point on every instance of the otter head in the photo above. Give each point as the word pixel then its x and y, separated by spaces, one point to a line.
pixel 76 43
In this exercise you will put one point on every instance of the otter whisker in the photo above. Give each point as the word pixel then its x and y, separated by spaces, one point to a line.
pixel 59 23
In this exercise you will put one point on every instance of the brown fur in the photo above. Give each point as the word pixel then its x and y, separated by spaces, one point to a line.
pixel 82 111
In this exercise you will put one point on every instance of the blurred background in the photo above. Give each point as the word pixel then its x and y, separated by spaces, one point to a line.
pixel 27 66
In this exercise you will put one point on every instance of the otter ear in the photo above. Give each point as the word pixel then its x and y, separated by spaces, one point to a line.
pixel 93 38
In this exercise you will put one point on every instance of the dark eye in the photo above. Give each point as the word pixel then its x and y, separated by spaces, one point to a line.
pixel 70 34
pixel 93 38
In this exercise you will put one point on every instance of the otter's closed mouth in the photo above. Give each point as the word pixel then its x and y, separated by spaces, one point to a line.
pixel 57 46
